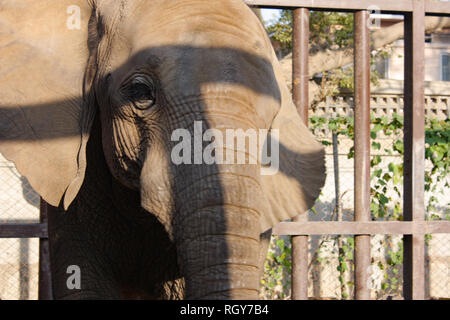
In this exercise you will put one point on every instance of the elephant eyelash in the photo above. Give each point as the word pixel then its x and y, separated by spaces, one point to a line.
pixel 108 78
pixel 141 92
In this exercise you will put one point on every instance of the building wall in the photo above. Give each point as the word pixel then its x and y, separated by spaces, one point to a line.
pixel 433 58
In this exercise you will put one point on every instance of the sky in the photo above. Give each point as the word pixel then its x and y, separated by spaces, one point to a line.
pixel 270 14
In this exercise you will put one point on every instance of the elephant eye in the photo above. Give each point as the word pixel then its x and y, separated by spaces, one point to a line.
pixel 141 93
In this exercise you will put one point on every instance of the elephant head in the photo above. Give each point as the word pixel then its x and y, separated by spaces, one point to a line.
pixel 148 69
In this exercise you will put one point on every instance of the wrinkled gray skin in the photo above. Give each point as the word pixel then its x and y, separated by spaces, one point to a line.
pixel 87 116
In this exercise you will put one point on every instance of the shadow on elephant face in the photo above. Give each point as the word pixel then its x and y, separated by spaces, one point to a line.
pixel 41 139
pixel 51 137
pixel 218 209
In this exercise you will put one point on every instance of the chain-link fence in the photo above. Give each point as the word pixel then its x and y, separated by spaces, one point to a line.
pixel 19 258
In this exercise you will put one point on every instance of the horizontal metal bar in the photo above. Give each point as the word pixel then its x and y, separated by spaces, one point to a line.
pixel 362 228
pixel 35 230
pixel 399 6
pixel 39 230
pixel 437 8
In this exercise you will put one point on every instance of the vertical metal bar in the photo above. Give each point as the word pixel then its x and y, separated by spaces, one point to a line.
pixel 337 182
pixel 300 62
pixel 338 205
pixel 362 150
pixel 24 271
pixel 45 279
pixel 414 156
pixel 300 84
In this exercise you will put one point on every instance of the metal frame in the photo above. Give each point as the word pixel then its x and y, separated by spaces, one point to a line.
pixel 300 94
pixel 387 6
pixel 35 230
pixel 414 227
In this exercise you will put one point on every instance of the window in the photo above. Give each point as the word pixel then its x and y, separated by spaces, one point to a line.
pixel 382 67
pixel 445 63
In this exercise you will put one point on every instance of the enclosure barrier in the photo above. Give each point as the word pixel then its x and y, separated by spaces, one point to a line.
pixel 35 230
pixel 414 227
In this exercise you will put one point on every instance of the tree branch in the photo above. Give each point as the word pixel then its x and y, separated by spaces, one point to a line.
pixel 329 59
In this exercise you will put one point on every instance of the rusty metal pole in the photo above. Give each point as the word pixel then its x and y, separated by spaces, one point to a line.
pixel 300 78
pixel 300 62
pixel 45 278
pixel 414 156
pixel 362 151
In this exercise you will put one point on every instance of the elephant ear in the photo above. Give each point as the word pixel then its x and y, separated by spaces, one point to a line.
pixel 43 126
pixel 293 189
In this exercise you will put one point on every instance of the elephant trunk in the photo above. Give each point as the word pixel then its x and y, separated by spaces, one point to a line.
pixel 214 208
pixel 218 241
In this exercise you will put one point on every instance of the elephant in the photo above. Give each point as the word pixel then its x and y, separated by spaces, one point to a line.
pixel 91 93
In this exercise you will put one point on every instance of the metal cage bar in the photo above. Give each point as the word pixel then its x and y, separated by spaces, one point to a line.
pixel 45 276
pixel 300 84
pixel 414 228
pixel 414 156
pixel 362 150
pixel 40 231
pixel 388 6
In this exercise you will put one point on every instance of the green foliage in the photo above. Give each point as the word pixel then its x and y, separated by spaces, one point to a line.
pixel 437 139
pixel 277 268
pixel 346 247
pixel 282 29
pixel 383 205
pixel 328 31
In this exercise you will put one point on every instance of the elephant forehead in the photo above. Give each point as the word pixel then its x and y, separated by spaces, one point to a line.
pixel 195 40
pixel 194 45
pixel 212 23
pixel 174 21
pixel 139 24
pixel 189 68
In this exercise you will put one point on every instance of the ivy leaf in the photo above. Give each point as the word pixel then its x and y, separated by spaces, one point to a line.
pixel 376 160
pixel 399 146
pixel 376 146
pixel 383 199
pixel 377 173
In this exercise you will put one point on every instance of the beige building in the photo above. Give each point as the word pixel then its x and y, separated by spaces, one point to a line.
pixel 437 55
